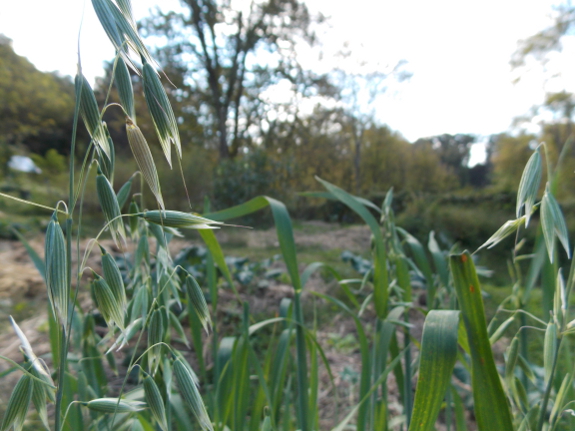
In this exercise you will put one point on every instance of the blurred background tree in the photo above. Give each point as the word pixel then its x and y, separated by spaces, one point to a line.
pixel 454 152
pixel 253 120
pixel 227 55
pixel 37 108
pixel 540 45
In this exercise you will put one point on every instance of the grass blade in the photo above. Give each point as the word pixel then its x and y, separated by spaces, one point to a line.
pixel 38 262
pixel 218 257
pixel 124 193
pixel 380 277
pixel 438 356
pixel 287 245
pixel 283 228
pixel 439 259
pixel 422 262
pixel 491 408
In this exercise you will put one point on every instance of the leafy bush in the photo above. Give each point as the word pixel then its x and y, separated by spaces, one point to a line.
pixel 255 173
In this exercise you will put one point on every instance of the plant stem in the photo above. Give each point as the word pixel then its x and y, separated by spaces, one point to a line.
pixel 407 403
pixel 71 204
pixel 301 366
pixel 66 328
pixel 545 400
pixel 61 375
pixel 523 346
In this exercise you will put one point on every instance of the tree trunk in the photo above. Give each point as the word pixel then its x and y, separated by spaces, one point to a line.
pixel 357 137
pixel 222 135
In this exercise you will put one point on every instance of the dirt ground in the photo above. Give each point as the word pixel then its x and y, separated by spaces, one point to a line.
pixel 23 294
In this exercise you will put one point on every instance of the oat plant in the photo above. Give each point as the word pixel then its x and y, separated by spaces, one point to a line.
pixel 142 303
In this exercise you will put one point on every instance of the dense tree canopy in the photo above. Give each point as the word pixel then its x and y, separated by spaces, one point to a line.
pixel 454 152
pixel 37 108
pixel 509 158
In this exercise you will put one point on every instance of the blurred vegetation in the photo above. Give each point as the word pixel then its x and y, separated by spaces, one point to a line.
pixel 274 149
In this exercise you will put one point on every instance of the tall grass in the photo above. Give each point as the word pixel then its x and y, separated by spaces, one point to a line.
pixel 150 303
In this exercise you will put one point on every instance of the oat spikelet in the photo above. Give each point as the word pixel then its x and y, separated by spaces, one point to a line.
pixel 144 159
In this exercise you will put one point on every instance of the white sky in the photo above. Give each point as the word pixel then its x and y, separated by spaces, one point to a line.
pixel 457 50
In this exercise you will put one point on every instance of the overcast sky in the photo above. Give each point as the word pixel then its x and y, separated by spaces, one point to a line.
pixel 457 50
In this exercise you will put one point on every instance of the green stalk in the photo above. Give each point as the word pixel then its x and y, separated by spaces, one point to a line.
pixel 523 346
pixel 65 335
pixel 380 351
pixel 447 410
pixel 169 415
pixel 287 402
pixel 302 384
pixel 384 333
pixel 486 383
pixel 213 288
pixel 71 196
pixel 407 401
pixel 545 401
pixel 61 371
pixel 72 204
pixel 372 363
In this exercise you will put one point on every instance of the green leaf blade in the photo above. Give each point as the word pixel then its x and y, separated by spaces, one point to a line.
pixel 381 276
pixel 438 356
pixel 491 408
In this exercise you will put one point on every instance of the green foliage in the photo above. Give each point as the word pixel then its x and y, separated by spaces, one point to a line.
pixel 509 157
pixel 453 151
pixel 438 356
pixel 257 173
pixel 52 163
pixel 37 108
